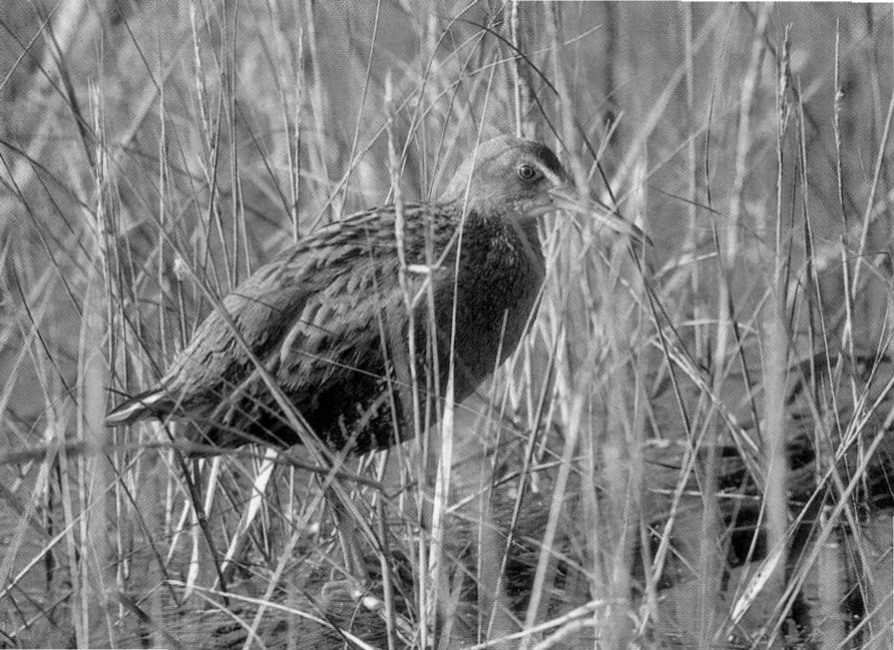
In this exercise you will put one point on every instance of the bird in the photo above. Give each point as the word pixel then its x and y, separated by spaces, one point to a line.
pixel 335 318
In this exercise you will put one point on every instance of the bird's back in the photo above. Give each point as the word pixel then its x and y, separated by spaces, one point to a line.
pixel 330 320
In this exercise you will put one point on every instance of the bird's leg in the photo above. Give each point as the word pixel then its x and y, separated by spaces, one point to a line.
pixel 347 532
pixel 346 517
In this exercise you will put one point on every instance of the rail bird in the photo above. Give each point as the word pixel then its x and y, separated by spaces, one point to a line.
pixel 334 319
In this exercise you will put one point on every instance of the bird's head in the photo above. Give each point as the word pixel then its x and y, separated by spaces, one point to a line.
pixel 524 178
pixel 508 174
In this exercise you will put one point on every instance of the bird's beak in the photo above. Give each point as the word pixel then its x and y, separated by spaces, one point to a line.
pixel 563 199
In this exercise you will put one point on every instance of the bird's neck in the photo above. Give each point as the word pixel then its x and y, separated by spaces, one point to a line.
pixel 507 224
pixel 494 218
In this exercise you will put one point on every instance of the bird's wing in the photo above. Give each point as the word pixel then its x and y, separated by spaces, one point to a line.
pixel 336 287
pixel 312 290
pixel 341 351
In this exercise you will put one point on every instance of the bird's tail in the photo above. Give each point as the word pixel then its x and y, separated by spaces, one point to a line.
pixel 155 402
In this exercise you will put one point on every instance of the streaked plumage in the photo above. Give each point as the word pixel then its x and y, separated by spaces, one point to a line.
pixel 329 320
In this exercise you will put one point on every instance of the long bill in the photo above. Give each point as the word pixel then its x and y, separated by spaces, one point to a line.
pixel 563 200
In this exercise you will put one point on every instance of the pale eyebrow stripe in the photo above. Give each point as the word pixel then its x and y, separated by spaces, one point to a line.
pixel 549 173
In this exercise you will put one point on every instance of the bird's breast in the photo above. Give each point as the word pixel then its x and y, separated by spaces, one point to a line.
pixel 498 282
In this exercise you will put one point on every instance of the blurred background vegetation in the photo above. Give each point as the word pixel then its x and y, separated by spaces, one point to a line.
pixel 153 151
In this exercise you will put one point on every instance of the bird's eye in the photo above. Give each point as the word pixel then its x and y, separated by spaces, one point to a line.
pixel 526 172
